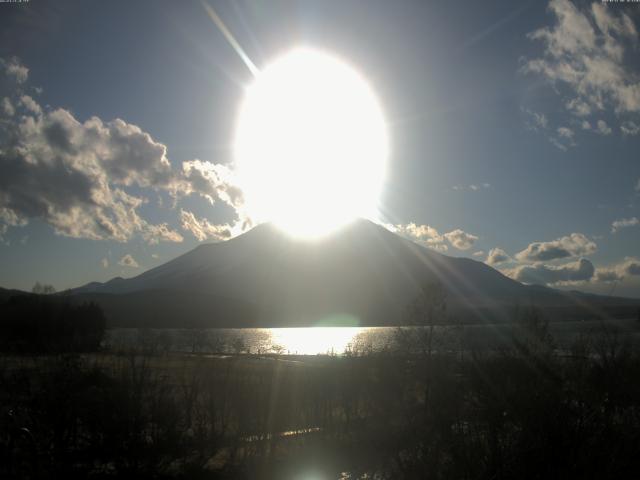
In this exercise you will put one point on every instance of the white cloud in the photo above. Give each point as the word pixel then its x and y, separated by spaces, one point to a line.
pixel 574 245
pixel 460 239
pixel 564 138
pixel 616 273
pixel 578 107
pixel 479 253
pixel 624 223
pixel 497 256
pixel 14 69
pixel 202 229
pixel 212 181
pixel 630 128
pixel 423 234
pixel 431 238
pixel 70 175
pixel 603 128
pixel 579 271
pixel 565 132
pixel 30 104
pixel 585 59
pixel 7 107
pixel 105 263
pixel 128 261
pixel 75 175
pixel 534 120
pixel 473 187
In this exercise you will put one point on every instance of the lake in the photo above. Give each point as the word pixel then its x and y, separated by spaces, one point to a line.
pixel 338 340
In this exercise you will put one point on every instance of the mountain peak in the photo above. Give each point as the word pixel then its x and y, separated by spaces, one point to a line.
pixel 265 277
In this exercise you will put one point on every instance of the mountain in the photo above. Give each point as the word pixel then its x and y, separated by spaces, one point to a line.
pixel 362 274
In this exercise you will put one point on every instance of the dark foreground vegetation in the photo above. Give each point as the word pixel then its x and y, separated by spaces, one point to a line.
pixel 414 410
pixel 48 324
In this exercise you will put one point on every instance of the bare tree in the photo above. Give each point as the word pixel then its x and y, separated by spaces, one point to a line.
pixel 427 310
pixel 43 289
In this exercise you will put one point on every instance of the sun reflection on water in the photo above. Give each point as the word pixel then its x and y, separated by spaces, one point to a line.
pixel 310 341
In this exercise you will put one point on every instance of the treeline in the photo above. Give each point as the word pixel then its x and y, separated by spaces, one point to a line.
pixel 521 412
pixel 49 324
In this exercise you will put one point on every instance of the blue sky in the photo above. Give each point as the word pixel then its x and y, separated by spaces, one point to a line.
pixel 514 127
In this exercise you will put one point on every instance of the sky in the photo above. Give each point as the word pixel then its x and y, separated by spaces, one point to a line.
pixel 514 130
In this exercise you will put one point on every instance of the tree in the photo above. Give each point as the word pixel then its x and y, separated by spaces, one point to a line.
pixel 428 309
pixel 43 289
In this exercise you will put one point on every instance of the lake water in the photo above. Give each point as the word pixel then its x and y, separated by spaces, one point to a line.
pixel 338 340
pixel 293 341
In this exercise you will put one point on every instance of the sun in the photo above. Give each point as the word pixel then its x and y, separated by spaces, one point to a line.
pixel 310 145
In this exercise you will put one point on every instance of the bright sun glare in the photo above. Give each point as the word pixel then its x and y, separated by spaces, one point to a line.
pixel 311 144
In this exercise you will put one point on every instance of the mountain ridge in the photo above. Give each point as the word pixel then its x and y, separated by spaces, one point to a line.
pixel 265 278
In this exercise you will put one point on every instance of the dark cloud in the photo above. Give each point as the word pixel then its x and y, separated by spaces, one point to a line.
pixel 580 271
pixel 628 268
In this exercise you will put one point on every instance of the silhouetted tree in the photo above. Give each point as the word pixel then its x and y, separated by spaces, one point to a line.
pixel 427 310
pixel 43 289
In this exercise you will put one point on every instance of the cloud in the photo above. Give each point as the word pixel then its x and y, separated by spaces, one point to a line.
pixel 584 59
pixel 630 128
pixel 105 263
pixel 574 245
pixel 479 253
pixel 423 234
pixel 473 187
pixel 202 229
pixel 70 175
pixel 565 132
pixel 76 176
pixel 606 275
pixel 535 120
pixel 624 223
pixel 584 51
pixel 616 273
pixel 431 238
pixel 497 256
pixel 602 128
pixel 578 107
pixel 30 104
pixel 579 271
pixel 460 239
pixel 563 138
pixel 128 261
pixel 14 69
pixel 212 181
pixel 7 107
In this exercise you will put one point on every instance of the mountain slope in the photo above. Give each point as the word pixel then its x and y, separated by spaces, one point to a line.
pixel 264 277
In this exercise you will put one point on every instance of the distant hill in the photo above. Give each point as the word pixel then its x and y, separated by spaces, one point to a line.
pixel 6 293
pixel 363 275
